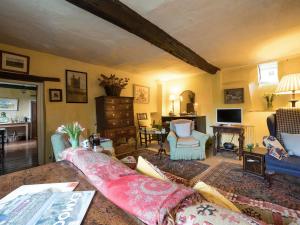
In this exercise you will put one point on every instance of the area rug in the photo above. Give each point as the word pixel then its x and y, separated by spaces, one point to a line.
pixel 186 169
pixel 229 177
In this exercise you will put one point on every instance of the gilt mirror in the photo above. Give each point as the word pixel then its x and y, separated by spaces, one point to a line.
pixel 187 101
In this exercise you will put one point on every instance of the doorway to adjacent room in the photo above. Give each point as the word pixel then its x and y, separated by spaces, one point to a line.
pixel 19 123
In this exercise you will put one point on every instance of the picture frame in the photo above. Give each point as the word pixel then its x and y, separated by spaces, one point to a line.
pixel 9 104
pixel 55 95
pixel 13 62
pixel 141 94
pixel 234 96
pixel 76 87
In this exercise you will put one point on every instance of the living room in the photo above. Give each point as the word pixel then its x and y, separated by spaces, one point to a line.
pixel 60 41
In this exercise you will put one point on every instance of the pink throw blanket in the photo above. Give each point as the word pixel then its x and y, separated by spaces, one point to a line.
pixel 147 198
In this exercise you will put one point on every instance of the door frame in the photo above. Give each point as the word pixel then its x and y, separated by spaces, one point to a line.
pixel 40 101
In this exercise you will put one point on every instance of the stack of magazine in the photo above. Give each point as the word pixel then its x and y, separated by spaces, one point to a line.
pixel 54 203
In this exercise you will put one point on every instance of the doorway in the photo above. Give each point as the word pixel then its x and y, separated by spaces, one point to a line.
pixel 19 109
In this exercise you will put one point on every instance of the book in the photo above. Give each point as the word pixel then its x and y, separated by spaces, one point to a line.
pixel 46 208
pixel 35 188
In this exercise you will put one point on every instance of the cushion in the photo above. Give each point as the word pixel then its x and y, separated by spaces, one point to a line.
pixel 274 147
pixel 187 142
pixel 212 195
pixel 291 143
pixel 146 168
pixel 207 213
pixel 183 129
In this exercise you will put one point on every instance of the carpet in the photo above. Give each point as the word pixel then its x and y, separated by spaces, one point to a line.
pixel 229 177
pixel 186 169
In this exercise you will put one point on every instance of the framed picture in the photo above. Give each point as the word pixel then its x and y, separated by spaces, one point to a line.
pixel 14 62
pixel 141 94
pixel 234 96
pixel 76 87
pixel 9 104
pixel 55 95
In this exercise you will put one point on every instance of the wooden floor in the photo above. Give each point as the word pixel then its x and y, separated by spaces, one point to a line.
pixel 19 155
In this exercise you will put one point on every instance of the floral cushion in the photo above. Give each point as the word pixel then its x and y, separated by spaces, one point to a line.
pixel 207 213
pixel 274 147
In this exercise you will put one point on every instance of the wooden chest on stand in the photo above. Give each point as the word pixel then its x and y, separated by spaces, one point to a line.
pixel 115 120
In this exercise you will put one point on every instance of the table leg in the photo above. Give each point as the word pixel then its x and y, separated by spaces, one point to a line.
pixel 26 131
pixel 241 143
pixel 214 140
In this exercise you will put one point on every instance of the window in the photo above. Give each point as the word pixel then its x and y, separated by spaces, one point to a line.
pixel 268 73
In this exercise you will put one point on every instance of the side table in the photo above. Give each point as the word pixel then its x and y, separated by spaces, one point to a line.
pixel 218 130
pixel 254 161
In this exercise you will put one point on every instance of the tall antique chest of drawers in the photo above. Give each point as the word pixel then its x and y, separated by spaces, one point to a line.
pixel 115 119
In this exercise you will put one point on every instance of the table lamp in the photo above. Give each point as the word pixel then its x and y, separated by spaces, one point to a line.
pixel 172 99
pixel 289 84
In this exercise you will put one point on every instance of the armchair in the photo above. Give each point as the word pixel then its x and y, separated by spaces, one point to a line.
pixel 187 147
pixel 286 120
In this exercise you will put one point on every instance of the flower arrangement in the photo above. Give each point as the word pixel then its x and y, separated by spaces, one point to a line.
pixel 269 98
pixel 112 84
pixel 73 130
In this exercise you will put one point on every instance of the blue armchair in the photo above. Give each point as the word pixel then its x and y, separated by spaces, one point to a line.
pixel 186 148
pixel 284 121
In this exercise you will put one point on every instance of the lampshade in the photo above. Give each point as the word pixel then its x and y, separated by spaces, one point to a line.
pixel 288 84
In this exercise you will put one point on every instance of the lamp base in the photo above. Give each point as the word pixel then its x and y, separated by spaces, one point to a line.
pixel 293 101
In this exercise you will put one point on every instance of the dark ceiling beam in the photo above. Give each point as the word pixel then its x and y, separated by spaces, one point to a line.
pixel 121 15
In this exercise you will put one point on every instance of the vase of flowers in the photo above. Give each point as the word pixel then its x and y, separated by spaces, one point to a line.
pixel 73 130
pixel 112 84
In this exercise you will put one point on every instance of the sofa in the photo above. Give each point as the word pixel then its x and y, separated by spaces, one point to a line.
pixel 285 120
pixel 189 147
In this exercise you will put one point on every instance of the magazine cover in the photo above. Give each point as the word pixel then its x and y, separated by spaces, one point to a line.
pixel 35 188
pixel 46 208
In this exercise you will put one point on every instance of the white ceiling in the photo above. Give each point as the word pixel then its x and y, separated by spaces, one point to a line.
pixel 227 33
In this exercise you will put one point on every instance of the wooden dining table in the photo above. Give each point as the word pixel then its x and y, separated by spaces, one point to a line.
pixel 19 124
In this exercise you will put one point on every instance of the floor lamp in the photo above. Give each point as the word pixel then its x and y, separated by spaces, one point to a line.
pixel 289 84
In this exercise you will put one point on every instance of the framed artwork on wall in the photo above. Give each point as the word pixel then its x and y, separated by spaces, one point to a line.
pixel 9 104
pixel 141 94
pixel 14 62
pixel 76 87
pixel 55 95
pixel 234 96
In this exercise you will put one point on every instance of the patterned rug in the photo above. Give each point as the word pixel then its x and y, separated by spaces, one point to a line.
pixel 186 169
pixel 229 177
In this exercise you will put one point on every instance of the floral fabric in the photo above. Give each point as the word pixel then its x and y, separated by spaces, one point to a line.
pixel 274 147
pixel 147 198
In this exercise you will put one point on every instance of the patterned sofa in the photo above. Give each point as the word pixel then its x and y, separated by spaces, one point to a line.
pixel 286 120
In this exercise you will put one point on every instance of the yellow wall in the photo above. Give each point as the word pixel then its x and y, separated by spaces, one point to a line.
pixel 209 91
pixel 58 113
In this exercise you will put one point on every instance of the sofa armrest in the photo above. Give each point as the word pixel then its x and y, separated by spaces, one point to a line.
pixel 172 138
pixel 201 137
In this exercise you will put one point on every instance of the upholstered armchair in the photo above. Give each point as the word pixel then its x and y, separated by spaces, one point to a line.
pixel 185 142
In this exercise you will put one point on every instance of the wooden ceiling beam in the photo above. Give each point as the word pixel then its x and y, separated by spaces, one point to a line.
pixel 121 15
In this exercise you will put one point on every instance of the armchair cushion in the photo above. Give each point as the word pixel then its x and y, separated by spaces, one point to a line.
pixel 291 143
pixel 183 129
pixel 275 148
pixel 187 142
